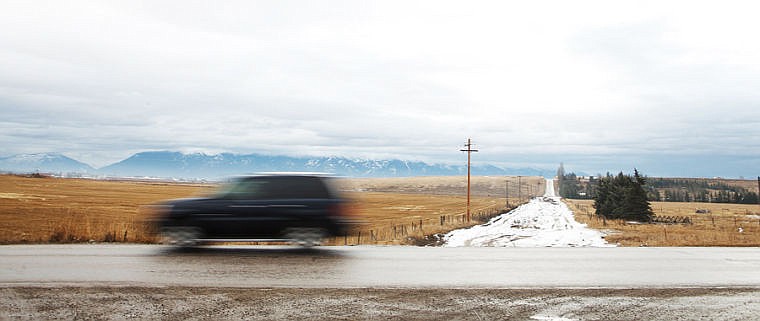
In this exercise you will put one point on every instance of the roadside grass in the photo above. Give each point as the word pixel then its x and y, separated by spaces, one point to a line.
pixel 414 210
pixel 393 218
pixel 56 210
pixel 723 225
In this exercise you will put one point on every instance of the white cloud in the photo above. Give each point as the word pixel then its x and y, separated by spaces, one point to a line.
pixel 380 79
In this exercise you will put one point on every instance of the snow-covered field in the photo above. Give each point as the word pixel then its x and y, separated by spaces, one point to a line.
pixel 543 222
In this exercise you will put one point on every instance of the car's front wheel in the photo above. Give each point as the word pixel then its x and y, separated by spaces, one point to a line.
pixel 181 235
pixel 305 236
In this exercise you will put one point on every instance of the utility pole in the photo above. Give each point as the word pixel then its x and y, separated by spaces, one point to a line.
pixel 507 194
pixel 469 151
pixel 519 190
pixel 538 189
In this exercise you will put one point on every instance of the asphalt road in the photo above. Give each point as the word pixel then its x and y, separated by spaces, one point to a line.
pixel 378 267
pixel 151 282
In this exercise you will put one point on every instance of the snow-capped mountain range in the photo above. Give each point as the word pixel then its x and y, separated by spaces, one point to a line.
pixel 166 164
pixel 47 162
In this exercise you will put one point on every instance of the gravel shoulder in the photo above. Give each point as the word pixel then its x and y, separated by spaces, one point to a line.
pixel 209 303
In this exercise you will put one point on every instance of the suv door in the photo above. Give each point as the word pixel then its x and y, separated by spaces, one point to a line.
pixel 264 206
pixel 296 201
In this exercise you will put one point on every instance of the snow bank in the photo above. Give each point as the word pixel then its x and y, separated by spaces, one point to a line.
pixel 543 222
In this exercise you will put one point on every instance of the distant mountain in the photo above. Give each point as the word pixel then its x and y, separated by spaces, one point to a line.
pixel 178 165
pixel 166 164
pixel 43 163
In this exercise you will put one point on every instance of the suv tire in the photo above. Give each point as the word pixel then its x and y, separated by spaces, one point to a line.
pixel 305 236
pixel 183 236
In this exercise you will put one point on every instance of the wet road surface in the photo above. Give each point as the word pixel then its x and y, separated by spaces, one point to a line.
pixel 378 267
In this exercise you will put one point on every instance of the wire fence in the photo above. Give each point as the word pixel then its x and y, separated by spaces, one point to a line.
pixel 420 231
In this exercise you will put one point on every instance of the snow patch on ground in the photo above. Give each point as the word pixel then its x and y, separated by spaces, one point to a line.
pixel 543 222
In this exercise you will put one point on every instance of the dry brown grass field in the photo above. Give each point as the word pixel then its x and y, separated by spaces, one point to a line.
pixel 396 218
pixel 78 210
pixel 748 184
pixel 484 186
pixel 723 225
pixel 394 211
pixel 405 210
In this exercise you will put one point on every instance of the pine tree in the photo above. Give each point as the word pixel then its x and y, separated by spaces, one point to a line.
pixel 569 186
pixel 605 202
pixel 636 204
pixel 623 197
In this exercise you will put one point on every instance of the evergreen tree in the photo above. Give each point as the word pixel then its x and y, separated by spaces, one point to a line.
pixel 635 202
pixel 591 188
pixel 604 202
pixel 623 197
pixel 569 186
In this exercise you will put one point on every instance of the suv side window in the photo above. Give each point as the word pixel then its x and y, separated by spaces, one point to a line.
pixel 278 187
pixel 248 189
pixel 297 187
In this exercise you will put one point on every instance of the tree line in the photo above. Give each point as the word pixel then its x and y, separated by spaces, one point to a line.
pixel 662 189
pixel 698 190
pixel 569 185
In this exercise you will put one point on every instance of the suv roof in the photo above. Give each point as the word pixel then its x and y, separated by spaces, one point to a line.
pixel 317 174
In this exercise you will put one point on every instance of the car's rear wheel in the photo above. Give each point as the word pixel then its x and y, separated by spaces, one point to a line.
pixel 181 235
pixel 305 236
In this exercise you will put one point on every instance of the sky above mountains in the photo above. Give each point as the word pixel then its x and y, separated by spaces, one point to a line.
pixel 669 87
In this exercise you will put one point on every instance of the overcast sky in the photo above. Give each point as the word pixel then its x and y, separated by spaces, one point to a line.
pixel 670 87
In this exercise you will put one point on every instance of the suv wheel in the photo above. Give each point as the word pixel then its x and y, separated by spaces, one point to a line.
pixel 305 236
pixel 181 235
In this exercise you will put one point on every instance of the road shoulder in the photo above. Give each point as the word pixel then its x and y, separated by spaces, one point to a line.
pixel 210 303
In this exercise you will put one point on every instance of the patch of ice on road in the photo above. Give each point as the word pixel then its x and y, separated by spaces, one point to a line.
pixel 543 222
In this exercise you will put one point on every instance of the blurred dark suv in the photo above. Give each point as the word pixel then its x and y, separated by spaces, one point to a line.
pixel 298 208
